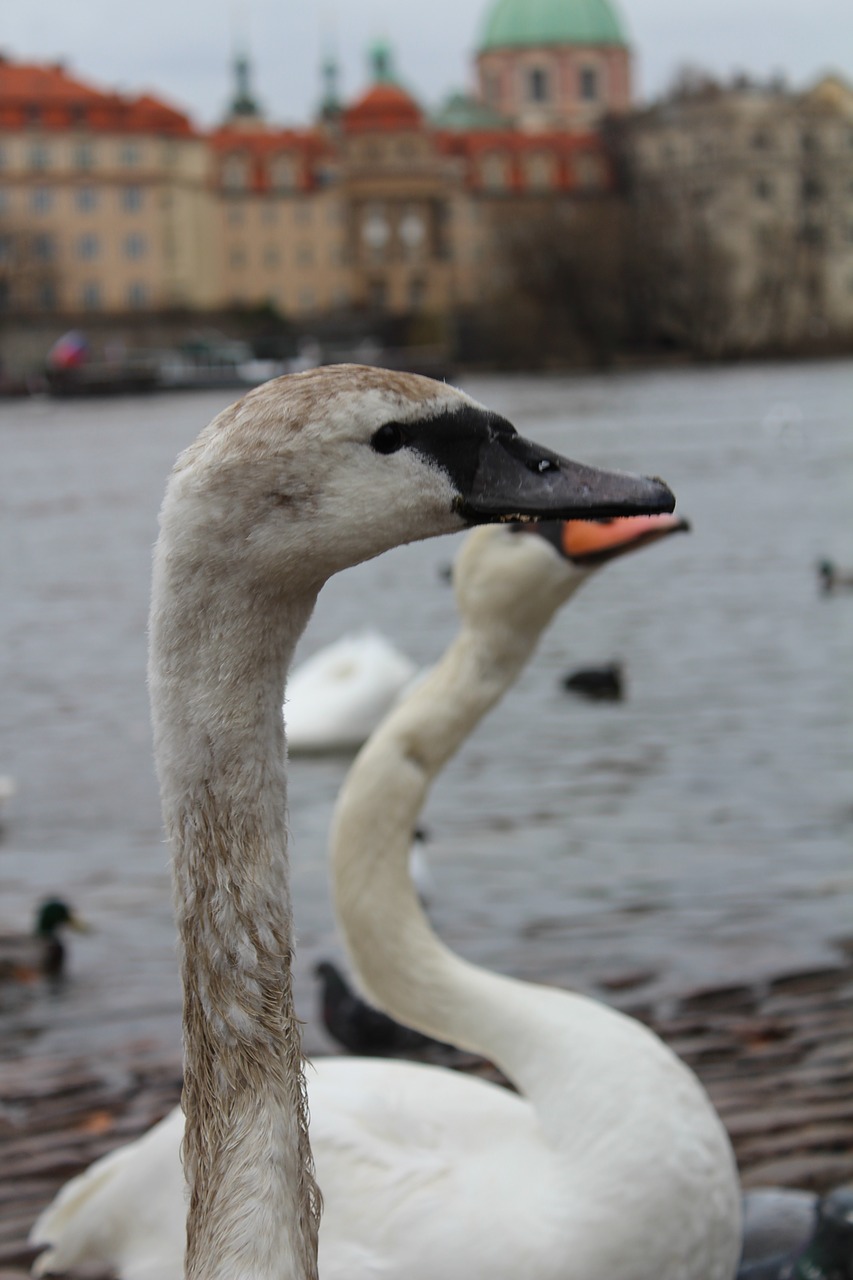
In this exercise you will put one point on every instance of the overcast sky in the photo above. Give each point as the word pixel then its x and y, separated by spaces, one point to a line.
pixel 182 49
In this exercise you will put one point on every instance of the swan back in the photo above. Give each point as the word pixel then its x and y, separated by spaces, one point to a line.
pixel 339 695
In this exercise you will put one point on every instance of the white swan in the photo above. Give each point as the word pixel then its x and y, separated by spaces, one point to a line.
pixel 337 697
pixel 427 1172
pixel 305 476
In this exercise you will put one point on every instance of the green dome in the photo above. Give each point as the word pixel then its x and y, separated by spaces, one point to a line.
pixel 517 23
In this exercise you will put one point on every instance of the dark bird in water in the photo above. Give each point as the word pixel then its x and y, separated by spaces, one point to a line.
pixel 599 684
pixel 26 956
pixel 832 578
pixel 360 1028
pixel 795 1235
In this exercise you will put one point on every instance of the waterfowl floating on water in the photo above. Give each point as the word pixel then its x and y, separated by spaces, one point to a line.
pixel 338 696
pixel 24 957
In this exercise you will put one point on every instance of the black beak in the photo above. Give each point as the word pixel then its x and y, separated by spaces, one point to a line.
pixel 515 478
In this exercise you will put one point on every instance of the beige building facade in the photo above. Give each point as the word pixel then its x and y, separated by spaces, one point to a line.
pixel 753 186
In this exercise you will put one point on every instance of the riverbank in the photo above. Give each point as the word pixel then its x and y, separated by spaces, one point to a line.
pixel 776 1058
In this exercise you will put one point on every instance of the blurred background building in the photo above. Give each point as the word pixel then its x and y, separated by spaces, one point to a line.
pixel 718 220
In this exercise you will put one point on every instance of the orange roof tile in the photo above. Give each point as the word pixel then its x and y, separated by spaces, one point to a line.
pixel 383 107
pixel 31 93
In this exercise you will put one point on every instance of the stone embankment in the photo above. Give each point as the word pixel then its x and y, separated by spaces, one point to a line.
pixel 776 1058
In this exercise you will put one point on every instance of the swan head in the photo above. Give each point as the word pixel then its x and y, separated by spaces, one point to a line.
pixel 503 579
pixel 321 470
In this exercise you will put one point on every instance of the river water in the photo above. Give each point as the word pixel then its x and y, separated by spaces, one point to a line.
pixel 697 833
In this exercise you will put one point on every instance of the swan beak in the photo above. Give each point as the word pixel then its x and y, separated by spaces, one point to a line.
pixel 516 479
pixel 592 542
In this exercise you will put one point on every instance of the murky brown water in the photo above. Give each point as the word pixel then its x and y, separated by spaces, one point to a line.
pixel 699 832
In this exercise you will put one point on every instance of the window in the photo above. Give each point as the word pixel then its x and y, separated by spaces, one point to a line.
pixel 39 157
pixel 131 199
pixel 237 257
pixel 90 295
pixel 810 143
pixel 137 295
pixel 495 172
pixel 305 255
pixel 84 156
pixel 42 200
pixel 134 246
pixel 762 140
pixel 764 188
pixel 271 256
pixel 540 171
pixel 417 293
pixel 129 155
pixel 86 199
pixel 2 157
pixel 377 295
pixel 46 298
pixel 284 173
pixel 235 173
pixel 302 212
pixel 88 247
pixel 589 84
pixel 44 247
pixel 812 189
pixel 537 85
pixel 4 200
pixel 236 215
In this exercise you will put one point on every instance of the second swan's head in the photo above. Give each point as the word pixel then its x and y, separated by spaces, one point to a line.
pixel 504 578
pixel 321 470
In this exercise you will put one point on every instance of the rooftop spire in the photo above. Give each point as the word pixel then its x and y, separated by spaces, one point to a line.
pixel 244 105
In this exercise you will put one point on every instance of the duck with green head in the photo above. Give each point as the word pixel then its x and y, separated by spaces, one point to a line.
pixel 25 957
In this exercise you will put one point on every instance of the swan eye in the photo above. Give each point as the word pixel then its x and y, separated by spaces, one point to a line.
pixel 388 438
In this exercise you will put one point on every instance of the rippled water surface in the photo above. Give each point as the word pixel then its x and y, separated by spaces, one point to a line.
pixel 698 832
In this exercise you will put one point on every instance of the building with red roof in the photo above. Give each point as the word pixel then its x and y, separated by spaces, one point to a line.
pixel 112 203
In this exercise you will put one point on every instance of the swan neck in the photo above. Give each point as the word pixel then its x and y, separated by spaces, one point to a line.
pixel 400 962
pixel 218 666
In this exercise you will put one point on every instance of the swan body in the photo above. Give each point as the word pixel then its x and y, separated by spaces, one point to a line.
pixel 305 476
pixel 618 1155
pixel 338 696
pixel 611 1163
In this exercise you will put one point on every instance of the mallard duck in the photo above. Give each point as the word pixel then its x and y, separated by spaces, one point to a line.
pixel 27 956
pixel 832 578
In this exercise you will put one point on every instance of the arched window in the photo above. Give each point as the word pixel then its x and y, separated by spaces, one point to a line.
pixel 538 88
pixel 589 85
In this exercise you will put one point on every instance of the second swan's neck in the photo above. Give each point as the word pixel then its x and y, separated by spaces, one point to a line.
pixel 400 961
pixel 219 661
pixel 550 1043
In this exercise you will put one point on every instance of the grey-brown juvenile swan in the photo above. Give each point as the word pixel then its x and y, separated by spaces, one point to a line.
pixel 305 476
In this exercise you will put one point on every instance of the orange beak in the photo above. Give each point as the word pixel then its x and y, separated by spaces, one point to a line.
pixel 591 542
